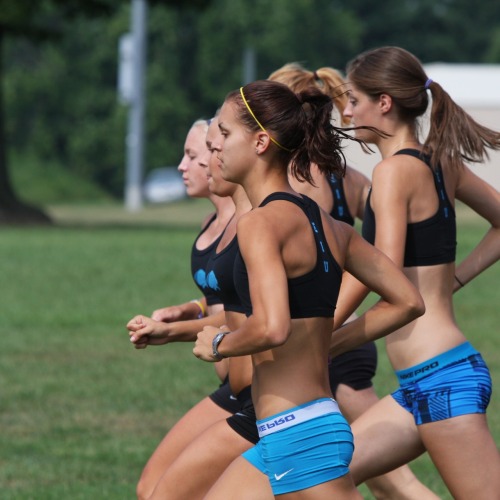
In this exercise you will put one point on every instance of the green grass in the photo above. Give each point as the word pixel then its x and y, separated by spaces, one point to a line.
pixel 81 410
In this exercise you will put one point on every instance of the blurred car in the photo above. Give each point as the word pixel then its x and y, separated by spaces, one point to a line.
pixel 163 185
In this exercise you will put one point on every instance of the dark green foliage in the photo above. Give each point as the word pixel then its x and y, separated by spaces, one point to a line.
pixel 61 95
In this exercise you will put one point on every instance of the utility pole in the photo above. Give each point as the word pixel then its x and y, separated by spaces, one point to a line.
pixel 249 65
pixel 131 87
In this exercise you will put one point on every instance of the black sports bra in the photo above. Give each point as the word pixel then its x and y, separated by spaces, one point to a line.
pixel 340 210
pixel 199 261
pixel 315 293
pixel 429 242
pixel 220 278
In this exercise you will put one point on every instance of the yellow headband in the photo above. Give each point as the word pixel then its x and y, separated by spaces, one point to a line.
pixel 259 124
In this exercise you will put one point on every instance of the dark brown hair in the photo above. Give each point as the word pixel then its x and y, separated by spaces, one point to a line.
pixel 454 136
pixel 300 123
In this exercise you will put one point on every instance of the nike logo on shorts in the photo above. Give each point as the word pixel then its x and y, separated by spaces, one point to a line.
pixel 280 476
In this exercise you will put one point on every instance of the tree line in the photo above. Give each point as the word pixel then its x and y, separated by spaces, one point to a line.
pixel 60 58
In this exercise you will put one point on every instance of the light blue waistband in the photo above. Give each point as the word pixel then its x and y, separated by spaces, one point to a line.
pixel 424 369
pixel 296 415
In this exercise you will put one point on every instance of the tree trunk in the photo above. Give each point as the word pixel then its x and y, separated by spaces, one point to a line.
pixel 12 209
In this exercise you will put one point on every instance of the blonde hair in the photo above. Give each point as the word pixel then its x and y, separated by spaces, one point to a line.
pixel 201 123
pixel 326 79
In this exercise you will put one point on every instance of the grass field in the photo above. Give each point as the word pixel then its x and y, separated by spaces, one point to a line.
pixel 81 410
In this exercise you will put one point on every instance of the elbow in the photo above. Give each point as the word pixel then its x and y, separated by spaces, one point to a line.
pixel 416 306
pixel 276 336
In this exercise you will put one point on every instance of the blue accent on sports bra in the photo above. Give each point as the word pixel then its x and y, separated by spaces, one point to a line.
pixel 199 261
pixel 429 242
pixel 220 268
pixel 340 210
pixel 315 293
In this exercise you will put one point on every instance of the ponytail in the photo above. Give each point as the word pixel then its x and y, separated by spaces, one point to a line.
pixel 454 136
pixel 322 141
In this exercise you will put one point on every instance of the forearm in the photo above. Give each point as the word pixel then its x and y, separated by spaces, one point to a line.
pixel 380 320
pixel 351 295
pixel 253 337
pixel 186 331
pixel 484 255
pixel 193 309
pixel 200 306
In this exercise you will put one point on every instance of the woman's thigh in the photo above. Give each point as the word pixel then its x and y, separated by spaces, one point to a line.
pixel 201 463
pixel 187 429
pixel 385 437
pixel 464 452
pixel 243 481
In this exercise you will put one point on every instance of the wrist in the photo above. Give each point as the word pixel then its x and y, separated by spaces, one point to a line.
pixel 215 345
pixel 201 308
pixel 460 282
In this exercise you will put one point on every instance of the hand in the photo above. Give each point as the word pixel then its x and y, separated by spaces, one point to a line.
pixel 203 346
pixel 144 331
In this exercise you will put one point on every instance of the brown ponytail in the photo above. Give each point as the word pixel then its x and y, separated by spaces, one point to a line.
pixel 454 136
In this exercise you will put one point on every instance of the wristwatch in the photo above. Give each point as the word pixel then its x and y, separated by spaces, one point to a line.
pixel 215 345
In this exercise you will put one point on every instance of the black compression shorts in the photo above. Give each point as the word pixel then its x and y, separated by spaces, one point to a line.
pixel 354 368
pixel 224 398
pixel 244 423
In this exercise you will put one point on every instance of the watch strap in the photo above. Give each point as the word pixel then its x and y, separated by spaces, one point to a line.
pixel 215 345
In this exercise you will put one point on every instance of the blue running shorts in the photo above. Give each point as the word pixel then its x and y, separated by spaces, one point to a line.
pixel 303 447
pixel 456 382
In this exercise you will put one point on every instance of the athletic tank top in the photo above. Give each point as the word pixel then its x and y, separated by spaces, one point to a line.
pixel 340 210
pixel 199 261
pixel 220 279
pixel 315 293
pixel 428 242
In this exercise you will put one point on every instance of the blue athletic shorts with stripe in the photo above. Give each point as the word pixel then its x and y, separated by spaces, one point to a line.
pixel 454 383
pixel 306 454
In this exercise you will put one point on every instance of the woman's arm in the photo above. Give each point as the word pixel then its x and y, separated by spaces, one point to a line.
pixel 144 331
pixel 351 295
pixel 194 309
pixel 484 199
pixel 389 200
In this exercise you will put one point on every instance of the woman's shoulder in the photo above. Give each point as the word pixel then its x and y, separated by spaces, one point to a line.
pixel 255 220
pixel 399 166
pixel 337 227
pixel 276 219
